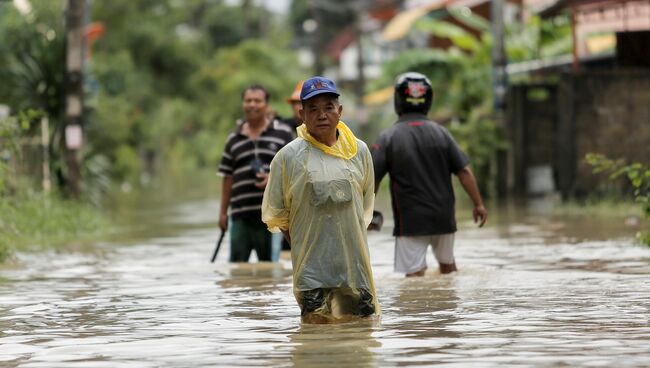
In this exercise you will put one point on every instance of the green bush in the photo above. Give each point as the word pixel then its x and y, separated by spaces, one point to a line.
pixel 480 138
pixel 38 221
pixel 636 173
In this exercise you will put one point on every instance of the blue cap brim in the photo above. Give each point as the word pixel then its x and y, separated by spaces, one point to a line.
pixel 318 92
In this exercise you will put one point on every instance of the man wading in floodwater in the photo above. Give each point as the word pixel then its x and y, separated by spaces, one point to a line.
pixel 248 152
pixel 320 194
pixel 420 157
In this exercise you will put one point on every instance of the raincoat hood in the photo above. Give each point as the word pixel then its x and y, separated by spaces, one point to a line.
pixel 346 144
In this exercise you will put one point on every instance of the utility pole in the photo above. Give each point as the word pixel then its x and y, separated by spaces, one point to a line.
pixel 359 7
pixel 317 40
pixel 74 93
pixel 45 147
pixel 499 88
pixel 360 88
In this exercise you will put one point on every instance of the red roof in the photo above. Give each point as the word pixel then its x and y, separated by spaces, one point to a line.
pixel 344 39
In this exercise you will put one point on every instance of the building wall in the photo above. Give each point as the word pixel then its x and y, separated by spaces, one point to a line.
pixel 611 113
pixel 605 112
pixel 532 122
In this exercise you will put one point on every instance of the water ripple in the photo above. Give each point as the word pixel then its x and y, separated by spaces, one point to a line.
pixel 526 298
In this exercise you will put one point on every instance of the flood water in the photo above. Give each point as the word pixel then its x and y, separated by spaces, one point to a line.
pixel 532 290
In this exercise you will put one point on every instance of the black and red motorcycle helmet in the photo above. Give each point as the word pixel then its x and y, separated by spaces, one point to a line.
pixel 413 93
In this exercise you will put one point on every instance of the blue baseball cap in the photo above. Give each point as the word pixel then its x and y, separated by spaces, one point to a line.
pixel 317 85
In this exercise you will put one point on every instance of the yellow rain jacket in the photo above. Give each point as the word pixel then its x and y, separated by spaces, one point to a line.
pixel 324 197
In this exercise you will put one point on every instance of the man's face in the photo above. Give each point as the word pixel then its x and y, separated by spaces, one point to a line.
pixel 254 104
pixel 321 114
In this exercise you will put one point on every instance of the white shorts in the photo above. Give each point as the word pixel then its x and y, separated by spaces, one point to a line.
pixel 411 251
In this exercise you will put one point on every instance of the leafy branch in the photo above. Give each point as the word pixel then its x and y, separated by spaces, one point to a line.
pixel 636 173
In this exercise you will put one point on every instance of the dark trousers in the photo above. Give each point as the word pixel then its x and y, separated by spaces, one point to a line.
pixel 246 235
pixel 315 298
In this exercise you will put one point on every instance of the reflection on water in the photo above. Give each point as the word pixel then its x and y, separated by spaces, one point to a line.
pixel 339 345
pixel 531 291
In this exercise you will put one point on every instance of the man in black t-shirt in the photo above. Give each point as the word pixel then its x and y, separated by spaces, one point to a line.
pixel 420 156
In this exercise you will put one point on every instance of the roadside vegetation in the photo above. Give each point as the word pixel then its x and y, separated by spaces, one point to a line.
pixel 461 76
pixel 34 221
pixel 162 86
pixel 636 174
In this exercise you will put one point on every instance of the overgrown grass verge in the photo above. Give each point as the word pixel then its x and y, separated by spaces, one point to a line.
pixel 610 207
pixel 40 221
pixel 627 209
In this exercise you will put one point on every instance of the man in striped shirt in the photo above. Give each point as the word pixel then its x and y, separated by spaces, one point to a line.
pixel 244 167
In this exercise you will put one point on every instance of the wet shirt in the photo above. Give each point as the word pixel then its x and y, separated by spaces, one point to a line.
pixel 237 161
pixel 324 197
pixel 419 156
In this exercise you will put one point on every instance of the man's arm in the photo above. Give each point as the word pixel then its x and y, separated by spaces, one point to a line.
pixel 379 166
pixel 276 203
pixel 379 160
pixel 226 188
pixel 468 181
pixel 368 189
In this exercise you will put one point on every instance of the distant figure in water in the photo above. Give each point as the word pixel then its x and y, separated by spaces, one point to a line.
pixel 244 167
pixel 420 156
pixel 320 194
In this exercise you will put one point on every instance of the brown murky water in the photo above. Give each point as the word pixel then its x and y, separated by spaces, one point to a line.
pixel 532 290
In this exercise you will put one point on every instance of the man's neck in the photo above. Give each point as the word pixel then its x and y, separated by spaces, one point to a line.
pixel 254 128
pixel 329 141
pixel 257 124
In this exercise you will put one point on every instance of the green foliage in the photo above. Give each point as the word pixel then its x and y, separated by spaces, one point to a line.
pixel 539 39
pixel 12 131
pixel 164 79
pixel 33 221
pixel 461 76
pixel 32 58
pixel 636 173
pixel 96 179
pixel 480 138
pixel 460 37
pixel 465 16
pixel 231 70
pixel 227 26
pixel 168 77
pixel 32 55
pixel 162 85
pixel 555 36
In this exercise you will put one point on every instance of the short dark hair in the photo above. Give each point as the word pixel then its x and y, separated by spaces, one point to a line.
pixel 256 87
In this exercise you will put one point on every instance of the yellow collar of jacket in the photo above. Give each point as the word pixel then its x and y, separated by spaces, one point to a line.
pixel 345 146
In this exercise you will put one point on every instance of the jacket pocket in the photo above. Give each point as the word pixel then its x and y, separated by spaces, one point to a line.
pixel 338 191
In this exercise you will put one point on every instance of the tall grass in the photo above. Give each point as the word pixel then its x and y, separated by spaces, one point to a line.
pixel 612 206
pixel 39 221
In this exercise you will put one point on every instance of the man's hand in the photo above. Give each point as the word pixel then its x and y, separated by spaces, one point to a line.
pixel 377 221
pixel 480 215
pixel 262 180
pixel 223 222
